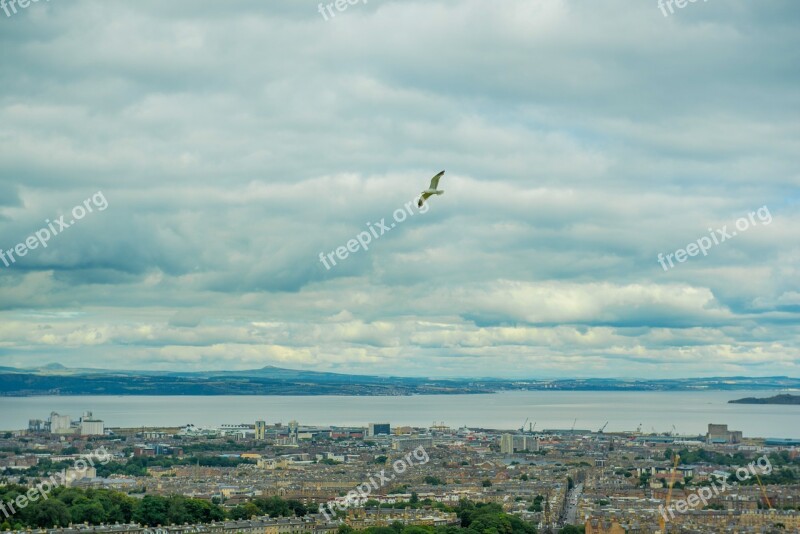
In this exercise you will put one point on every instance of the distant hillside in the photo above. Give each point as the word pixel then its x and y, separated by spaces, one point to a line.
pixel 777 399
pixel 266 381
pixel 55 379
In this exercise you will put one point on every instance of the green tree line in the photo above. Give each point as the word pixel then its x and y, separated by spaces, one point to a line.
pixel 65 506
pixel 94 506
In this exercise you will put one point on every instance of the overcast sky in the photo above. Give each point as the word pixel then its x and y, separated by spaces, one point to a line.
pixel 235 141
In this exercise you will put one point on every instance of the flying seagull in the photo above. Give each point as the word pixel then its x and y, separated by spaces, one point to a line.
pixel 431 190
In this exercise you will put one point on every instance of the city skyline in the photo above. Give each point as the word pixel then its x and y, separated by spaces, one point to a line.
pixel 317 479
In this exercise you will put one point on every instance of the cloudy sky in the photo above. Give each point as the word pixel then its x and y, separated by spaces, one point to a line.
pixel 236 141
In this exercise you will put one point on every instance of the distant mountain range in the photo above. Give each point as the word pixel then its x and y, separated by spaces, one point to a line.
pixel 55 379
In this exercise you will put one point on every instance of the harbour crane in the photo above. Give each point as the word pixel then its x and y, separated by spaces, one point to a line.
pixel 532 427
pixel 573 424
pixel 522 428
pixel 602 428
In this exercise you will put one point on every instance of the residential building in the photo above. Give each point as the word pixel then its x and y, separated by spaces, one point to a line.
pixel 261 430
pixel 378 429
pixel 406 444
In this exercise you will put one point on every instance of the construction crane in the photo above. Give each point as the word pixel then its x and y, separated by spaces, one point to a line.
pixel 763 490
pixel 602 428
pixel 661 521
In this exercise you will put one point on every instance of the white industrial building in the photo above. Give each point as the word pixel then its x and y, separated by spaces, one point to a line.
pixel 91 426
pixel 60 424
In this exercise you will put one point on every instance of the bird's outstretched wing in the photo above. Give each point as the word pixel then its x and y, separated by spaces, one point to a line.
pixel 435 180
pixel 422 198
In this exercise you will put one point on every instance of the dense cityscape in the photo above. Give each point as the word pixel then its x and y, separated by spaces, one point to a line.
pixel 399 267
pixel 77 475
